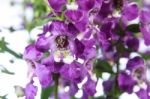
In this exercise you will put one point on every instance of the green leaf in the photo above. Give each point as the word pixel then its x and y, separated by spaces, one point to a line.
pixel 101 66
pixel 3 44
pixel 145 56
pixel 4 48
pixel 46 92
pixel 135 28
pixel 6 71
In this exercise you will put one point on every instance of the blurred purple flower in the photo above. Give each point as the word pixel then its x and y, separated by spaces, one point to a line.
pixel 126 82
pixel 30 91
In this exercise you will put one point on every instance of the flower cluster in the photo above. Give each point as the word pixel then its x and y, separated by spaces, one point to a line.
pixel 87 32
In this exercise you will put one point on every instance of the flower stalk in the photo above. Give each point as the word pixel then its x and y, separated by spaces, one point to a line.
pixel 56 80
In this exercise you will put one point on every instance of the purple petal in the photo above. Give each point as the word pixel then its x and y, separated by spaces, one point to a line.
pixel 108 85
pixel 145 16
pixel 42 44
pixel 73 89
pixel 44 75
pixel 142 94
pixel 126 82
pixel 86 4
pixel 79 47
pixel 145 29
pixel 74 15
pixel 58 28
pixel 30 91
pixel 31 53
pixel 74 72
pixel 90 87
pixel 135 63
pixel 57 4
pixel 78 18
pixel 130 11
pixel 133 43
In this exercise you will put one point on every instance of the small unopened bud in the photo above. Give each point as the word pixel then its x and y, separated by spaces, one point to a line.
pixel 19 91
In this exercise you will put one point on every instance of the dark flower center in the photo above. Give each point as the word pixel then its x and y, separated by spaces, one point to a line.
pixel 138 73
pixel 61 41
pixel 118 3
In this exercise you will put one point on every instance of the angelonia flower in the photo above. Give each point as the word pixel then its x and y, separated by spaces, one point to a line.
pixel 81 33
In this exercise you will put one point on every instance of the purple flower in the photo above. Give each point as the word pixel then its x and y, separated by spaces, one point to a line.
pixel 126 82
pixel 86 5
pixel 137 68
pixel 78 18
pixel 30 91
pixel 130 11
pixel 31 53
pixel 108 85
pixel 61 39
pixel 44 75
pixel 145 15
pixel 143 94
pixel 107 34
pixel 75 72
pixel 42 44
pixel 145 26
pixel 133 43
pixel 134 63
pixel 53 66
pixel 89 51
pixel 73 89
pixel 90 87
pixel 73 30
pixel 57 5
pixel 105 10
pixel 79 47
pixel 91 31
pixel 84 49
pixel 145 29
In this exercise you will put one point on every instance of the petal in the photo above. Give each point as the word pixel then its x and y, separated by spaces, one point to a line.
pixel 108 85
pixel 126 82
pixel 130 11
pixel 42 44
pixel 145 29
pixel 73 89
pixel 44 75
pixel 142 94
pixel 57 4
pixel 90 87
pixel 133 43
pixel 31 53
pixel 135 63
pixel 75 72
pixel 58 28
pixel 145 15
pixel 86 4
pixel 74 15
pixel 30 91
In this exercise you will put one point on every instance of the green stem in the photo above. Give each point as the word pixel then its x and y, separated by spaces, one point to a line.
pixel 56 89
pixel 56 80
pixel 116 82
pixel 13 53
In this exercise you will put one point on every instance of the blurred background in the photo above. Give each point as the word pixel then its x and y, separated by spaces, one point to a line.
pixel 20 22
